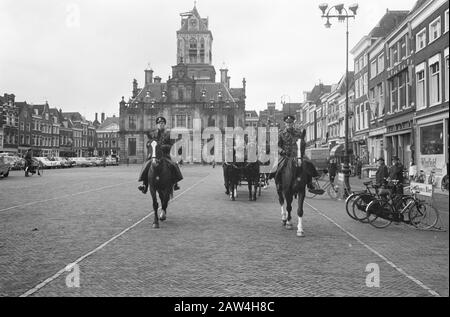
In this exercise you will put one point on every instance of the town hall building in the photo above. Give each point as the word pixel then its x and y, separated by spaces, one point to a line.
pixel 191 98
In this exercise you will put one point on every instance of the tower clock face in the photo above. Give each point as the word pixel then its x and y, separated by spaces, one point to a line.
pixel 193 22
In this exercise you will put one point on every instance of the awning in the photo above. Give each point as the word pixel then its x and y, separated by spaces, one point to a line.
pixel 338 150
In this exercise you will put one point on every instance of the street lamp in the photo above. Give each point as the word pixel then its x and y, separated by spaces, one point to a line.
pixel 342 14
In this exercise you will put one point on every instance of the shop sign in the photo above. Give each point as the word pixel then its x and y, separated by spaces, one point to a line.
pixel 422 189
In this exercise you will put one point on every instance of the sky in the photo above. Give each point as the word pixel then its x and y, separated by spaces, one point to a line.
pixel 82 55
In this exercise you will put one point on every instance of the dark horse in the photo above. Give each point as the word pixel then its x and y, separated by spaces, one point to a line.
pixel 233 173
pixel 159 181
pixel 294 178
pixel 231 178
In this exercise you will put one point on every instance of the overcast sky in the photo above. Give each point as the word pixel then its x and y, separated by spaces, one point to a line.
pixel 82 55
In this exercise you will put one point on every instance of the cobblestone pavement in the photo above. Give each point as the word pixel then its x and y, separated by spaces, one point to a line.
pixel 208 246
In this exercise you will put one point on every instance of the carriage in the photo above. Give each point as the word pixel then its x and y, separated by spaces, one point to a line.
pixel 240 172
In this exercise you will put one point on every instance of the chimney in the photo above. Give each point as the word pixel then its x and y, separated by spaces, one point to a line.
pixel 96 116
pixel 228 82
pixel 223 76
pixel 103 117
pixel 157 80
pixel 135 88
pixel 148 76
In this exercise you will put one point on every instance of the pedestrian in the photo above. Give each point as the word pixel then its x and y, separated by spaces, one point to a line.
pixel 359 167
pixel 382 172
pixel 396 170
pixel 104 160
pixel 332 169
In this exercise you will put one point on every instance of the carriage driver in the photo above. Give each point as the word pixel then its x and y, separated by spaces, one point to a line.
pixel 287 144
pixel 162 136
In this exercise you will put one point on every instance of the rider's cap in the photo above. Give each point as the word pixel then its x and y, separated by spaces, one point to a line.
pixel 380 159
pixel 289 119
pixel 160 119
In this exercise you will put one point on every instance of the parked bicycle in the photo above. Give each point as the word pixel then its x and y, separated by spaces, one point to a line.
pixel 409 209
pixel 356 203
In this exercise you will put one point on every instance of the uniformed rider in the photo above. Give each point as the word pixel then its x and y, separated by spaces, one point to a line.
pixel 287 145
pixel 162 137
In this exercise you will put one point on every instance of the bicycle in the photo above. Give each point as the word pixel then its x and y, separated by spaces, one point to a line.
pixel 408 209
pixel 359 201
pixel 329 187
pixel 35 167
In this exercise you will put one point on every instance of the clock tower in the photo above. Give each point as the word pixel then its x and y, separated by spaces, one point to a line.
pixel 194 47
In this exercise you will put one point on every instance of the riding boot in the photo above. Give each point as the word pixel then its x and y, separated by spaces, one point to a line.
pixel 313 190
pixel 143 188
pixel 176 187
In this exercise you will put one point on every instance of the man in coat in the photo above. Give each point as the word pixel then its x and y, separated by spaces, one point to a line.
pixel 162 137
pixel 287 144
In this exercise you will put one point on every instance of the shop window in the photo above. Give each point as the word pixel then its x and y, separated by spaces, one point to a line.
pixel 431 139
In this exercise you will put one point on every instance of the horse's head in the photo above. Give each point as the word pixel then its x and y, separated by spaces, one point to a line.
pixel 152 152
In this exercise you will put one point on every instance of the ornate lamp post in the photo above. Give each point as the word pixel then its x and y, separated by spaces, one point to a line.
pixel 342 15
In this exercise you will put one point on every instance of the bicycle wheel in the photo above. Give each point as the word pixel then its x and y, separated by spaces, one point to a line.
pixel 423 216
pixel 359 207
pixel 349 202
pixel 378 212
pixel 333 191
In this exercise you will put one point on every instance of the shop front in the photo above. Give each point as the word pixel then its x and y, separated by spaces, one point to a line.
pixel 398 141
pixel 375 144
pixel 360 148
pixel 432 147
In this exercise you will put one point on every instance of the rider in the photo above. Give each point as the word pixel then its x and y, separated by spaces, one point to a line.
pixel 287 144
pixel 162 137
pixel 29 162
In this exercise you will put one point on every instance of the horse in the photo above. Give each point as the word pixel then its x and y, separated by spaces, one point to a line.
pixel 159 181
pixel 251 174
pixel 231 179
pixel 294 178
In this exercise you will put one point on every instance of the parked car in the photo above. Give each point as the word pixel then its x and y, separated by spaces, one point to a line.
pixel 5 166
pixel 63 163
pixel 96 161
pixel 82 161
pixel 46 163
